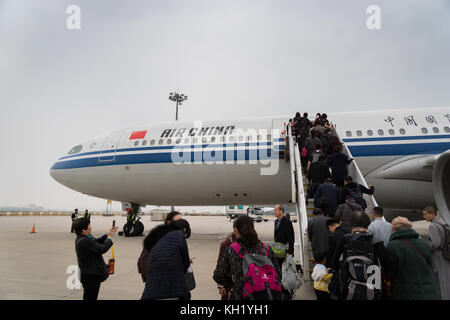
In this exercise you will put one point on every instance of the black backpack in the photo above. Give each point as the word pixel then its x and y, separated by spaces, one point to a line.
pixel 357 257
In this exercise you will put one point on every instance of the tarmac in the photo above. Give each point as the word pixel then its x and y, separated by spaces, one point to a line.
pixel 34 266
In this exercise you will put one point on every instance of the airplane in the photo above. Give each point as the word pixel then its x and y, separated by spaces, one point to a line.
pixel 404 153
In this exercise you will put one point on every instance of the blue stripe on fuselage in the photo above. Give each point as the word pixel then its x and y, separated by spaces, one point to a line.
pixel 169 157
pixel 399 149
pixel 246 144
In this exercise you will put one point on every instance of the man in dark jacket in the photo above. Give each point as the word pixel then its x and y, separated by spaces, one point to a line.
pixel 336 235
pixel 93 269
pixel 283 231
pixel 345 212
pixel 168 262
pixel 350 186
pixel 318 232
pixel 317 173
pixel 338 162
pixel 329 194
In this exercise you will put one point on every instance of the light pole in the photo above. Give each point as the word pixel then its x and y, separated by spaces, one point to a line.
pixel 178 98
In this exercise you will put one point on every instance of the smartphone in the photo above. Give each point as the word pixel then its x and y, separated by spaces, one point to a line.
pixel 114 224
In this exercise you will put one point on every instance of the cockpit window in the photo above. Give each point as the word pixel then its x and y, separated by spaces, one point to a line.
pixel 76 149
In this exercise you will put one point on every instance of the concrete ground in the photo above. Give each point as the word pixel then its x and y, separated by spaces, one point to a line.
pixel 34 266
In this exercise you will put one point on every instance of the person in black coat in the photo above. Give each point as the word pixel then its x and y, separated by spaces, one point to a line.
pixel 283 231
pixel 338 162
pixel 329 194
pixel 350 186
pixel 317 173
pixel 93 269
pixel 168 262
pixel 337 234
pixel 318 232
pixel 74 217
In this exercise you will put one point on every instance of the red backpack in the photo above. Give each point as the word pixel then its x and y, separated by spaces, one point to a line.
pixel 260 276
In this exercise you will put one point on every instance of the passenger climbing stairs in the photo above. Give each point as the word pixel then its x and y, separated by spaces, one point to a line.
pixel 302 252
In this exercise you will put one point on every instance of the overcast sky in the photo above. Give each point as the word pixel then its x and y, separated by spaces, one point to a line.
pixel 233 58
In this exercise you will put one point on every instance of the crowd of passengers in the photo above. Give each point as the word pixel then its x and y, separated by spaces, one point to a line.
pixel 345 241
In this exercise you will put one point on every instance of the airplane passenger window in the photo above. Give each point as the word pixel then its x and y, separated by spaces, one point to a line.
pixel 348 133
pixel 241 138
pixel 144 143
pixel 424 130
pixel 186 141
pixel 369 132
pixel 169 141
pixel 231 139
pixel 204 140
pixel 402 131
pixel 359 133
pixel 435 129
pixel 136 143
pixel 249 138
pixel 222 139
pixel 152 142
pixel 76 149
pixel 259 137
pixel 160 141
pixel 195 140
pixel 446 129
pixel 178 141
pixel 213 139
pixel 391 132
pixel 269 137
pixel 380 132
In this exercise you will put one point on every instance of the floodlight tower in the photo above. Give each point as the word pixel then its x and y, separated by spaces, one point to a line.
pixel 178 98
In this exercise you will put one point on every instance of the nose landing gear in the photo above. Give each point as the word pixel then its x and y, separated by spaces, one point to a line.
pixel 133 227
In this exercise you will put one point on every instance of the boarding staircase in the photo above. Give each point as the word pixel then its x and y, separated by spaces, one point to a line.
pixel 302 247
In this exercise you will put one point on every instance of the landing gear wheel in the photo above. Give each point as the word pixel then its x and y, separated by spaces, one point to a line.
pixel 128 230
pixel 139 228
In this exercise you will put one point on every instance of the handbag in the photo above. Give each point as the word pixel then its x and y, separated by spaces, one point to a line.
pixel 279 249
pixel 189 279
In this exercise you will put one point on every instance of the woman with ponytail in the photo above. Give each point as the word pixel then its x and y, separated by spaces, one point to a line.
pixel 228 272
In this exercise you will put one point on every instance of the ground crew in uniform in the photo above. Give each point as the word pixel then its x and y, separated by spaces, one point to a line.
pixel 74 217
pixel 87 215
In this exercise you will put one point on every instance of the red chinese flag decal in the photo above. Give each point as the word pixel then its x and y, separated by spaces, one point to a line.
pixel 138 135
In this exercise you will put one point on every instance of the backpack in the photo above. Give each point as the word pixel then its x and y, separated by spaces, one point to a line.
pixel 357 257
pixel 315 156
pixel 291 279
pixel 357 196
pixel 446 248
pixel 260 276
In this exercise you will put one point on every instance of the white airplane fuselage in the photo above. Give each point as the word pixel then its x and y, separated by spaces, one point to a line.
pixel 242 161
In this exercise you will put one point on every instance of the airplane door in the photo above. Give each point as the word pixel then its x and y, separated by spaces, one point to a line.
pixel 108 150
pixel 279 127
